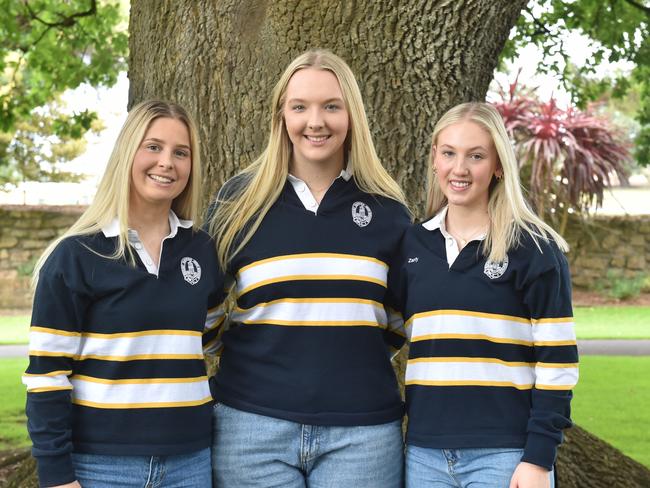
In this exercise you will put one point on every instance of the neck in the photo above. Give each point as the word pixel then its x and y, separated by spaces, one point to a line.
pixel 149 220
pixel 465 223
pixel 317 176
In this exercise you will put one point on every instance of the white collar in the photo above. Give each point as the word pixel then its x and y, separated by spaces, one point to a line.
pixel 438 222
pixel 345 174
pixel 113 228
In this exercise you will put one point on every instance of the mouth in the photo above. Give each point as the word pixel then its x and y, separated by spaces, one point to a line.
pixel 459 184
pixel 161 179
pixel 316 139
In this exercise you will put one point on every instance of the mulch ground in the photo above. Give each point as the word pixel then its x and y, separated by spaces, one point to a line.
pixel 585 298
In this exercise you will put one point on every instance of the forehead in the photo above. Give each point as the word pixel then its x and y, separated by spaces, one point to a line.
pixel 168 128
pixel 465 134
pixel 313 83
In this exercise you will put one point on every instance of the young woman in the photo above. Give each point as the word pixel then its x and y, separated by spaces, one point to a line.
pixel 486 295
pixel 305 390
pixel 117 386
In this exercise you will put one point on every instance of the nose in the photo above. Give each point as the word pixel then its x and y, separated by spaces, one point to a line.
pixel 165 159
pixel 315 120
pixel 460 168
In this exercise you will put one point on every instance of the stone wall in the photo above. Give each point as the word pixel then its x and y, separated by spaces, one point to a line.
pixel 609 248
pixel 618 246
pixel 25 231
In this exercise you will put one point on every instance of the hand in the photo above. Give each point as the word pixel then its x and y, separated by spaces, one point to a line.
pixel 529 475
pixel 74 484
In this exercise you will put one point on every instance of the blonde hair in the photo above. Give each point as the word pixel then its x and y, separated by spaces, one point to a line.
pixel 240 215
pixel 112 197
pixel 509 212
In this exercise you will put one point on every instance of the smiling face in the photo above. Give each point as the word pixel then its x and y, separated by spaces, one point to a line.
pixel 315 117
pixel 466 160
pixel 162 165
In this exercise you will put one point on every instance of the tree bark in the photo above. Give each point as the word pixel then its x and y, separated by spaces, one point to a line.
pixel 413 60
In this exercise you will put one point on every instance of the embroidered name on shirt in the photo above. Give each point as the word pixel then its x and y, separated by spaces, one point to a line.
pixel 494 270
pixel 191 270
pixel 361 214
pixel 413 260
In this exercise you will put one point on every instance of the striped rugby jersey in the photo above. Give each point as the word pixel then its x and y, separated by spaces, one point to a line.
pixel 493 355
pixel 116 361
pixel 310 340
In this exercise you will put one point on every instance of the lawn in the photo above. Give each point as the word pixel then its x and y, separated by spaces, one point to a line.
pixel 12 407
pixel 14 329
pixel 612 322
pixel 611 401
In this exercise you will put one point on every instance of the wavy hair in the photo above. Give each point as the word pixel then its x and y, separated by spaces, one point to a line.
pixel 510 214
pixel 238 215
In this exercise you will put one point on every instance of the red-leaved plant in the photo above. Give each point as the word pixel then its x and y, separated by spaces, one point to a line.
pixel 566 157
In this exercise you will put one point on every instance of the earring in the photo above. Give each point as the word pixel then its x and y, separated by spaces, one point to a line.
pixel 499 177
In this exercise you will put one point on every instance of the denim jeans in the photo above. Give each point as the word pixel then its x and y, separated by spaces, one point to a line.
pixel 459 468
pixel 179 471
pixel 251 450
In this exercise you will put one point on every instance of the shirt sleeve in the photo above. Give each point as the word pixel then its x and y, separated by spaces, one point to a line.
pixel 396 332
pixel 55 336
pixel 548 297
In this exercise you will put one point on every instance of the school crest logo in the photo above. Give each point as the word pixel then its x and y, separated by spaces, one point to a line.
pixel 191 270
pixel 361 214
pixel 494 270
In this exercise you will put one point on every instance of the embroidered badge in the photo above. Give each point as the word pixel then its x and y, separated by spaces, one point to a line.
pixel 494 270
pixel 361 214
pixel 191 270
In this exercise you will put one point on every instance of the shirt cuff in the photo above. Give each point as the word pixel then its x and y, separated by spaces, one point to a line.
pixel 55 470
pixel 540 450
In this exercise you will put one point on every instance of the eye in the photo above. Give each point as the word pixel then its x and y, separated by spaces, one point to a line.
pixel 476 157
pixel 152 147
pixel 332 107
pixel 447 153
pixel 182 153
pixel 298 107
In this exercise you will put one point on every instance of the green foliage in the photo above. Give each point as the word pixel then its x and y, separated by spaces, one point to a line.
pixel 618 286
pixel 14 329
pixel 40 145
pixel 49 46
pixel 618 30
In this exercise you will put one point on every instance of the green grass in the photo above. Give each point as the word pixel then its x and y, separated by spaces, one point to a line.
pixel 14 329
pixel 13 432
pixel 612 322
pixel 611 401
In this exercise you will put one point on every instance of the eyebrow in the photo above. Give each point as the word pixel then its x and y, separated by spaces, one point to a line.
pixel 163 142
pixel 468 149
pixel 335 99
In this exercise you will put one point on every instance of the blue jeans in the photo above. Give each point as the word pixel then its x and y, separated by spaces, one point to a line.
pixel 251 450
pixel 459 468
pixel 179 471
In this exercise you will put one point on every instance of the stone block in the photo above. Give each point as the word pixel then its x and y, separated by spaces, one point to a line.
pixel 638 240
pixel 7 242
pixel 610 241
pixel 33 244
pixel 636 262
pixel 592 262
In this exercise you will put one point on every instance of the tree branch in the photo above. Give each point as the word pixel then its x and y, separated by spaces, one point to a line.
pixel 541 28
pixel 639 6
pixel 66 21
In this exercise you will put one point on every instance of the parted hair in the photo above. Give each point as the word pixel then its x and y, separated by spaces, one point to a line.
pixel 239 214
pixel 510 214
pixel 112 196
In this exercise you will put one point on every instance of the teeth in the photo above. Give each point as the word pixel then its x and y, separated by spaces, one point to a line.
pixel 316 139
pixel 160 179
pixel 460 184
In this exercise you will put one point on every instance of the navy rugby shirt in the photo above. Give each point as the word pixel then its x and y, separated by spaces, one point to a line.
pixel 116 362
pixel 310 339
pixel 493 355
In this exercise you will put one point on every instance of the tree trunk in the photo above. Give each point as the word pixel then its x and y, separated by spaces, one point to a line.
pixel 413 60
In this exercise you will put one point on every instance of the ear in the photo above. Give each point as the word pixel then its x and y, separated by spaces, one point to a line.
pixel 433 152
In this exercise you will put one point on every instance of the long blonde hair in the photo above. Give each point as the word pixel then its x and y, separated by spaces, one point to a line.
pixel 112 197
pixel 509 212
pixel 266 176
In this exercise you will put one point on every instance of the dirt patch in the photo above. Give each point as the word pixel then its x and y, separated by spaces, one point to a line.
pixel 586 298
